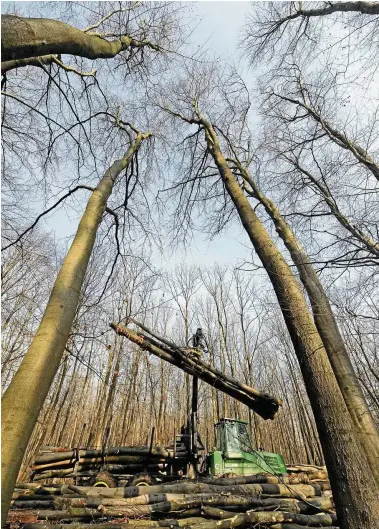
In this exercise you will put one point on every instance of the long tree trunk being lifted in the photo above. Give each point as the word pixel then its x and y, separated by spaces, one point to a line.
pixel 265 405
pixel 328 329
pixel 353 484
pixel 26 394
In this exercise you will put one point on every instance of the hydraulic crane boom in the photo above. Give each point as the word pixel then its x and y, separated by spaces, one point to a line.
pixel 264 405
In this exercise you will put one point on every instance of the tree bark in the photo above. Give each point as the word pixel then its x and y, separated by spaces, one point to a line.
pixel 26 393
pixel 22 38
pixel 367 8
pixel 353 484
pixel 328 329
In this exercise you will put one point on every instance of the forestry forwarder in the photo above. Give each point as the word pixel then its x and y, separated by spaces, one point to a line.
pixel 233 451
pixel 232 454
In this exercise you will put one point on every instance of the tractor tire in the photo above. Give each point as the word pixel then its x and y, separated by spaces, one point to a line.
pixel 105 479
pixel 142 479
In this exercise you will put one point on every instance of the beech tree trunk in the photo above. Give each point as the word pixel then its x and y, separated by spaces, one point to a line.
pixel 330 334
pixel 26 393
pixel 354 488
pixel 22 38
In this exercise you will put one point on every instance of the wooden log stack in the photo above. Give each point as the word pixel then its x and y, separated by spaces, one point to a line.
pixel 296 501
pixel 121 460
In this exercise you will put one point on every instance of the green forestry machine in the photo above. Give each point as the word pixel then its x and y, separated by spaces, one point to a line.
pixel 232 454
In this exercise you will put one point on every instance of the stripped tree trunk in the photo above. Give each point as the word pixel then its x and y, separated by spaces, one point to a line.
pixel 26 393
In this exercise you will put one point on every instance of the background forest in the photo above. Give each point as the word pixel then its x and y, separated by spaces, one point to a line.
pixel 297 119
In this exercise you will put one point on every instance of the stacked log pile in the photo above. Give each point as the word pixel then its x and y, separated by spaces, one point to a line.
pixel 60 463
pixel 296 501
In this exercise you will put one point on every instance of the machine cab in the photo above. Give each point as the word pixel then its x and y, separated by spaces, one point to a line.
pixel 233 452
pixel 232 438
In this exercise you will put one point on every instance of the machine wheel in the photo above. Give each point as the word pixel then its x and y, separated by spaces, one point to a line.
pixel 143 479
pixel 105 479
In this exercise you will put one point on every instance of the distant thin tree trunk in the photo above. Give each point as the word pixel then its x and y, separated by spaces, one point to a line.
pixel 106 419
pixel 99 412
pixel 130 395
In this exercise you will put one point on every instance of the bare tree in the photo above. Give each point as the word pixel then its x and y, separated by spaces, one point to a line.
pixel 26 393
pixel 71 115
pixel 318 375
pixel 27 272
pixel 324 164
pixel 276 30
pixel 320 152
pixel 324 318
pixel 182 284
pixel 54 114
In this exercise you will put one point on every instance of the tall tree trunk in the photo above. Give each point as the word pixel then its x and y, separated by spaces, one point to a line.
pixel 26 393
pixel 353 484
pixel 328 329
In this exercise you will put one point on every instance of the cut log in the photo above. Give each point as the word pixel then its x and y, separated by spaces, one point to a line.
pixel 131 523
pixel 157 450
pixel 304 491
pixel 63 463
pixel 120 459
pixel 264 405
pixel 70 514
pixel 257 478
pixel 297 526
pixel 51 457
pixel 132 511
pixel 36 504
pixel 257 489
pixel 252 517
pixel 121 469
pixel 53 474
pixel 42 489
pixel 48 448
pixel 311 470
pixel 20 496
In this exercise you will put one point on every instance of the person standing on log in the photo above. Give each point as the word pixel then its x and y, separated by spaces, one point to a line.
pixel 198 341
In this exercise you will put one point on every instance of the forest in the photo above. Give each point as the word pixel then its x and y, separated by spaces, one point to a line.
pixel 131 145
